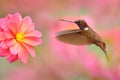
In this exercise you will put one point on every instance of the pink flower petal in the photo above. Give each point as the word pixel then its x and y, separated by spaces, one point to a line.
pixel 15 48
pixel 12 27
pixel 14 23
pixel 33 41
pixel 4 25
pixel 23 55
pixel 8 35
pixel 11 42
pixel 26 25
pixel 3 44
pixel 3 52
pixel 2 36
pixel 12 58
pixel 8 17
pixel 33 33
pixel 17 19
pixel 30 49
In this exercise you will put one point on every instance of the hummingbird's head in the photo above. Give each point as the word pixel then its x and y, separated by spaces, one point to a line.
pixel 82 24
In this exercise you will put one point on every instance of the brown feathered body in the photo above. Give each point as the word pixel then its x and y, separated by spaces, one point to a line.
pixel 83 36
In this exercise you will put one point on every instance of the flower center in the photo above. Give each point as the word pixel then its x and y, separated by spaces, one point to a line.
pixel 20 36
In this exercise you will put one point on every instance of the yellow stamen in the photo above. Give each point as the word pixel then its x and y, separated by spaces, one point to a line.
pixel 20 37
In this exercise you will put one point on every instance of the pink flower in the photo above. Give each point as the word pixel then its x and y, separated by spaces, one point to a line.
pixel 18 36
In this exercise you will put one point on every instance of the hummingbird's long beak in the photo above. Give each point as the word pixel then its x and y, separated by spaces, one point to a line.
pixel 66 20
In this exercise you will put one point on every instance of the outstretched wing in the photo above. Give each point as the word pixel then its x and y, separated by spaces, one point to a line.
pixel 74 37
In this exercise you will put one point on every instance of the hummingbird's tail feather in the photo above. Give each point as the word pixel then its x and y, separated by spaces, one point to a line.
pixel 106 55
pixel 103 47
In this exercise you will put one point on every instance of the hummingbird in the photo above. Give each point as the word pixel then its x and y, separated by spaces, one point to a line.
pixel 85 35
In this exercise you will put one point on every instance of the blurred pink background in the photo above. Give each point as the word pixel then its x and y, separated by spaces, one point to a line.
pixel 59 61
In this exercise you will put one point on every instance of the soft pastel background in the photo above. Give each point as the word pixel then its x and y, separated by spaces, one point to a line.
pixel 59 61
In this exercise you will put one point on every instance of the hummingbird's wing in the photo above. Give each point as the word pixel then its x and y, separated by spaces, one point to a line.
pixel 74 37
